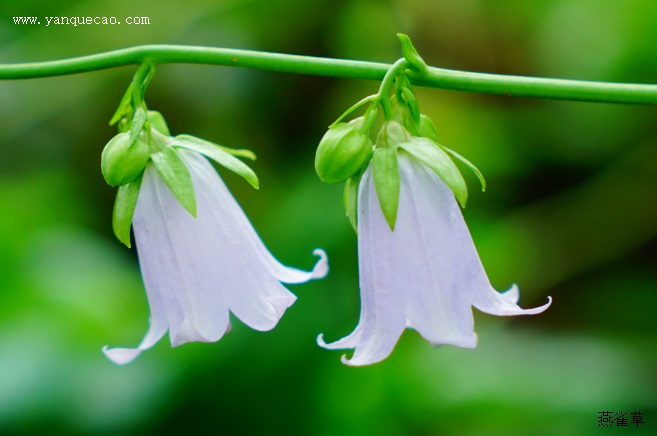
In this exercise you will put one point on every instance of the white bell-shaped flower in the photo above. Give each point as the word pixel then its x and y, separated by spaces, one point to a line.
pixel 196 270
pixel 425 275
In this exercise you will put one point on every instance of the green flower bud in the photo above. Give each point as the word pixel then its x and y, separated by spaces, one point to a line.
pixel 343 150
pixel 122 162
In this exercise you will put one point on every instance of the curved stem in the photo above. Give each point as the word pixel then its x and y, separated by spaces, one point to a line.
pixel 386 84
pixel 139 82
pixel 434 77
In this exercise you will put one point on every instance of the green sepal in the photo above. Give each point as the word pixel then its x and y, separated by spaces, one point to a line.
pixel 469 164
pixel 351 198
pixel 157 122
pixel 392 132
pixel 218 155
pixel 124 209
pixel 124 105
pixel 433 156
pixel 427 129
pixel 138 121
pixel 402 114
pixel 175 174
pixel 387 181
pixel 353 108
pixel 411 55
pixel 237 152
pixel 411 101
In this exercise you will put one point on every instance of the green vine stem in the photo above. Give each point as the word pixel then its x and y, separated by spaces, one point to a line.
pixel 519 86
pixel 384 90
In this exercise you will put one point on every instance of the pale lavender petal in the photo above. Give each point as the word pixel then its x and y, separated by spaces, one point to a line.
pixel 196 270
pixel 463 263
pixel 430 269
pixel 505 303
pixel 292 275
pixel 249 239
pixel 176 256
pixel 426 274
pixel 496 303
pixel 382 317
pixel 512 294
pixel 121 356
pixel 234 260
pixel 161 283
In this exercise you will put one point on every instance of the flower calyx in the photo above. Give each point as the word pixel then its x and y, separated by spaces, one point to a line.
pixel 346 150
pixel 144 139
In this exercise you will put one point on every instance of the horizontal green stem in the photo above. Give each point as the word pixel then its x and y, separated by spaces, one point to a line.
pixel 518 86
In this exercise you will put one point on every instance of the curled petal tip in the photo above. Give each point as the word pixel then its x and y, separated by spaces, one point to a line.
pixel 293 275
pixel 504 303
pixel 346 361
pixel 321 267
pixel 360 360
pixel 546 305
pixel 323 344
pixel 121 356
pixel 539 309
pixel 513 294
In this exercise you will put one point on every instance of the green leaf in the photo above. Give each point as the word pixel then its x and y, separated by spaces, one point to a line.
pixel 469 164
pixel 433 156
pixel 123 105
pixel 138 121
pixel 351 199
pixel 238 152
pixel 175 174
pixel 124 209
pixel 223 158
pixel 387 181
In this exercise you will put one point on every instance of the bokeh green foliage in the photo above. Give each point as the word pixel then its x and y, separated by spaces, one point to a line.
pixel 570 211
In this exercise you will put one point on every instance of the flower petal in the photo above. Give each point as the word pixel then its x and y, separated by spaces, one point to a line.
pixel 197 269
pixel 287 274
pixel 500 304
pixel 425 275
pixel 427 250
pixel 382 318
pixel 236 261
pixel 249 238
pixel 121 356
pixel 450 247
pixel 149 224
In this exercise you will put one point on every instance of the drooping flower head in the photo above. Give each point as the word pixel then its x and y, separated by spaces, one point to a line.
pixel 418 265
pixel 199 255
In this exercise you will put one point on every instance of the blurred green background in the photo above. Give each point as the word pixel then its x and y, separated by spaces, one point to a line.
pixel 570 212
